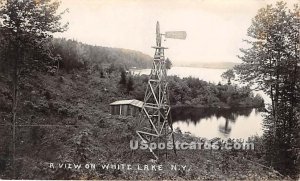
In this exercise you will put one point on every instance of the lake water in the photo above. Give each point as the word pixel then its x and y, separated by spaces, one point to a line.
pixel 223 123
pixel 213 122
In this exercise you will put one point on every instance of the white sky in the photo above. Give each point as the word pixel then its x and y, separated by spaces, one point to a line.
pixel 215 28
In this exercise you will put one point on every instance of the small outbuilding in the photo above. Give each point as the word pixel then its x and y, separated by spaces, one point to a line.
pixel 126 107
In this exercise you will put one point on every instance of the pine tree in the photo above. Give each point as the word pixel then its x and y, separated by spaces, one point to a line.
pixel 130 84
pixel 123 78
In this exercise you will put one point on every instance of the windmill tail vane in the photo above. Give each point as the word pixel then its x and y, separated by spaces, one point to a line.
pixel 176 34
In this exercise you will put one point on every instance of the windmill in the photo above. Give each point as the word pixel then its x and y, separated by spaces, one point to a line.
pixel 156 107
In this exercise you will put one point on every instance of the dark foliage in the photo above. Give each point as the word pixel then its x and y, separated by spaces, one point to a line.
pixel 75 55
pixel 130 84
pixel 195 92
pixel 123 80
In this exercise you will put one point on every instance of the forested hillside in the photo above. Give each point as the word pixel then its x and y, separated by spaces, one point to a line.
pixel 74 54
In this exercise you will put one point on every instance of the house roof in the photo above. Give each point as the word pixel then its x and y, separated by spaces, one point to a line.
pixel 133 102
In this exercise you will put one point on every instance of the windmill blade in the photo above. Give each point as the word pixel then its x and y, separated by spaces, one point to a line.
pixel 176 34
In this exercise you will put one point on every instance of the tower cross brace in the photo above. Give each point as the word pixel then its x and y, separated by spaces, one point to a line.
pixel 156 107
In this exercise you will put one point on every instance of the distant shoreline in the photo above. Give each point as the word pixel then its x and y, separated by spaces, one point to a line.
pixel 218 65
pixel 214 65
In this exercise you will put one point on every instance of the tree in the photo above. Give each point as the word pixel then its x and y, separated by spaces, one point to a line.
pixel 271 65
pixel 229 75
pixel 130 84
pixel 123 78
pixel 27 27
pixel 168 63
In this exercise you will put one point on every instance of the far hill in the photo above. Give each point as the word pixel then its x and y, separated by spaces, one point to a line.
pixel 74 54
pixel 212 65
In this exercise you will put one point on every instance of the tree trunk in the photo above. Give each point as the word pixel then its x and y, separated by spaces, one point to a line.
pixel 15 104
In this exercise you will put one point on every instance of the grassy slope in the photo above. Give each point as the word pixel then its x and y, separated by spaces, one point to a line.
pixel 81 100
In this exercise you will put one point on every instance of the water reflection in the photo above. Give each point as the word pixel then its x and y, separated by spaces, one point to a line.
pixel 226 129
pixel 213 122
